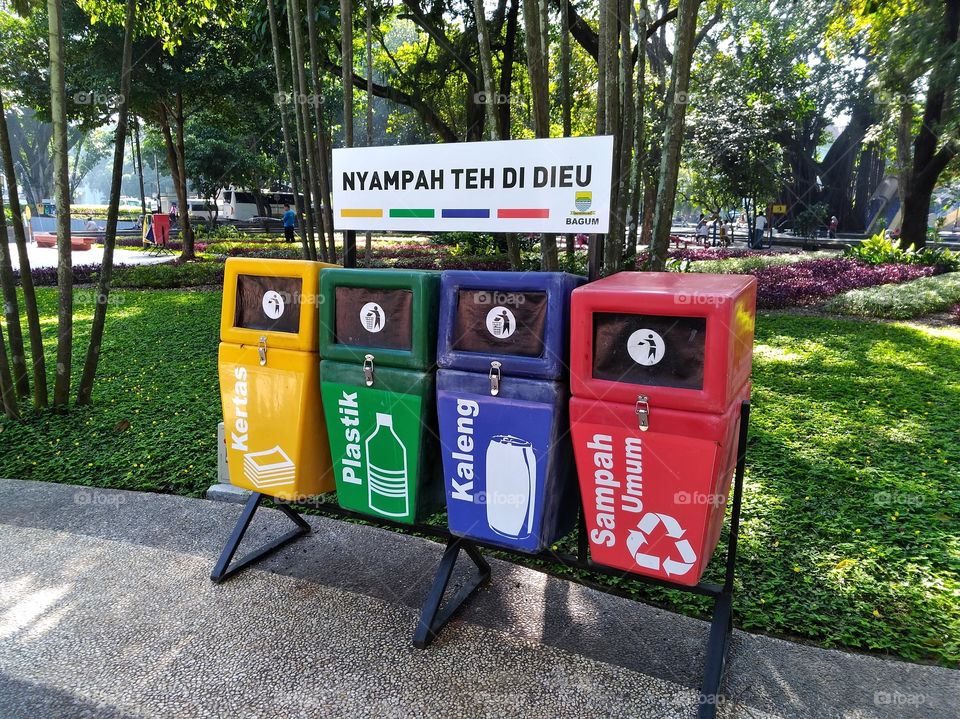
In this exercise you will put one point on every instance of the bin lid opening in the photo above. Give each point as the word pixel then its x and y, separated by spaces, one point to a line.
pixel 500 322
pixel 652 350
pixel 374 317
pixel 268 304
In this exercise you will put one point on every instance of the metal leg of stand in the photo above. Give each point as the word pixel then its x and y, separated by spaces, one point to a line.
pixel 433 617
pixel 721 624
pixel 223 570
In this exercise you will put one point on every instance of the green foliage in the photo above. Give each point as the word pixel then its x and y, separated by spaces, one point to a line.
pixel 910 299
pixel 169 275
pixel 810 220
pixel 220 233
pixel 850 506
pixel 880 249
pixel 744 265
pixel 466 243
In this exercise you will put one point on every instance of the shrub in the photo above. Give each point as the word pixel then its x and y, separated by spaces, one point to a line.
pixel 910 299
pixel 169 275
pixel 806 282
pixel 880 249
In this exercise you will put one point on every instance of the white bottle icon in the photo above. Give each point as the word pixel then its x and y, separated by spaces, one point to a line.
pixel 387 490
pixel 511 471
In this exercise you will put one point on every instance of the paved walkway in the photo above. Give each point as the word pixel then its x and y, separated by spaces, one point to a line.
pixel 107 611
pixel 47 257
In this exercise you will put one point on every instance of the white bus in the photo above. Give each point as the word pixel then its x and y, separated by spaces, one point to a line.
pixel 240 205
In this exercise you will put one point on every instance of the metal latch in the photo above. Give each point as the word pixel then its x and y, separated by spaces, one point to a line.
pixel 643 412
pixel 262 349
pixel 494 378
pixel 368 370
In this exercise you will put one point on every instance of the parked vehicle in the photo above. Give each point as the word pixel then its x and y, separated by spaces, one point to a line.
pixel 241 205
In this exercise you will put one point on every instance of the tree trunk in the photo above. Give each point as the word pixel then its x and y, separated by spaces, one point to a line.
pixel 623 132
pixel 285 123
pixel 26 276
pixel 368 244
pixel 183 216
pixel 85 390
pixel 346 63
pixel 928 161
pixel 8 394
pixel 58 111
pixel 139 159
pixel 673 132
pixel 486 67
pixel 323 144
pixel 537 66
pixel 306 159
pixel 566 106
pixel 636 181
pixel 11 308
pixel 300 84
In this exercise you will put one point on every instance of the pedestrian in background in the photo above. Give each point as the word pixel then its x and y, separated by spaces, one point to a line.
pixel 289 223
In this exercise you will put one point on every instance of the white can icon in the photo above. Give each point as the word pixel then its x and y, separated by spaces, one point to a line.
pixel 511 472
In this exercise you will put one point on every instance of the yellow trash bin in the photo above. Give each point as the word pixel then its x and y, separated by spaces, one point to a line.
pixel 269 364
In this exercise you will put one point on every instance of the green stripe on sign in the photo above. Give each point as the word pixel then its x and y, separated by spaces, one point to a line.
pixel 412 213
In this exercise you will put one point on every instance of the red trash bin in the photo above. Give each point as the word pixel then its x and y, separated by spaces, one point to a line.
pixel 660 363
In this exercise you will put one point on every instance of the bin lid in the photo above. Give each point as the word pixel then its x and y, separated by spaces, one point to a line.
pixel 391 314
pixel 683 341
pixel 272 299
pixel 520 319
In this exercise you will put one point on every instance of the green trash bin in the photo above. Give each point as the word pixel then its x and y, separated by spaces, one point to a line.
pixel 378 338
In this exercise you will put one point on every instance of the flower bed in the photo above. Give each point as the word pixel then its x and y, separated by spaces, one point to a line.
pixel 804 283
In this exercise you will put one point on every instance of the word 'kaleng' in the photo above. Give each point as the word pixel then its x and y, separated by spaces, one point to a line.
pixel 469 178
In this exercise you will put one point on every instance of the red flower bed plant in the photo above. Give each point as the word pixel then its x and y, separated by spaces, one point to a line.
pixel 808 281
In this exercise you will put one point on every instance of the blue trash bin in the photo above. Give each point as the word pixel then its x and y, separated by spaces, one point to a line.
pixel 502 401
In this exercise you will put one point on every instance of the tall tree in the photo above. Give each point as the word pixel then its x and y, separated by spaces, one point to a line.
pixel 538 67
pixel 678 96
pixel 323 136
pixel 85 389
pixel 346 60
pixel 58 111
pixel 282 105
pixel 26 276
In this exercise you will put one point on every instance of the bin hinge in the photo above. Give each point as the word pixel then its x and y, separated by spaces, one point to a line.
pixel 494 378
pixel 262 349
pixel 368 370
pixel 643 412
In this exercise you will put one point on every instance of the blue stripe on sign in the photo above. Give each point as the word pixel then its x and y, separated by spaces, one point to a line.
pixel 464 213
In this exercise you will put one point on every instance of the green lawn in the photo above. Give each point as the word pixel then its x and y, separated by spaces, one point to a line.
pixel 850 524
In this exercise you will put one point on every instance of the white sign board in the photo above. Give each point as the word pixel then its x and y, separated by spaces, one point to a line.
pixel 553 185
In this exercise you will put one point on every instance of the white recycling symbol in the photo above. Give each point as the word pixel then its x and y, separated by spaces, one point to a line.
pixel 638 538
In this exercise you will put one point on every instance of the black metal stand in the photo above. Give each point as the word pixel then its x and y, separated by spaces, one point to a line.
pixel 433 618
pixel 223 570
pixel 721 623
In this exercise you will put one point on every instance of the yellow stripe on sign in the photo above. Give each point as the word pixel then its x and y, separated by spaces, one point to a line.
pixel 361 212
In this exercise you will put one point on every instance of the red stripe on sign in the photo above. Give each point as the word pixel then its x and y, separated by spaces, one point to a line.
pixel 522 214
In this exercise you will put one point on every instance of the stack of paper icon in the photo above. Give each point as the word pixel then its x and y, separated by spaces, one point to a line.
pixel 269 467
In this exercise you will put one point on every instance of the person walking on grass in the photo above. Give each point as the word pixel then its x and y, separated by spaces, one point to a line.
pixel 289 223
